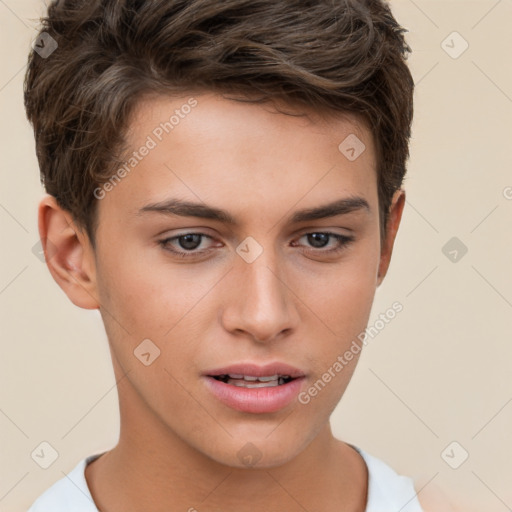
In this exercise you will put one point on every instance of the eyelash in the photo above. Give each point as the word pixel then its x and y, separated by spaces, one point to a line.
pixel 343 241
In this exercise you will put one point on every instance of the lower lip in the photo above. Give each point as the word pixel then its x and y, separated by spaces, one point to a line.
pixel 255 400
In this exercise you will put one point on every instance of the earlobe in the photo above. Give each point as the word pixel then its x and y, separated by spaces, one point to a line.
pixel 68 254
pixel 394 217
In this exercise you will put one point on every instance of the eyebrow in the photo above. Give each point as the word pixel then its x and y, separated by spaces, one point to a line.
pixel 189 209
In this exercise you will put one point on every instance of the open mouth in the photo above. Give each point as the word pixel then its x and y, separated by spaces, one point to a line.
pixel 255 388
pixel 248 381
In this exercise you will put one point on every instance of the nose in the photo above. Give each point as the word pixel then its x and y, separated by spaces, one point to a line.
pixel 259 303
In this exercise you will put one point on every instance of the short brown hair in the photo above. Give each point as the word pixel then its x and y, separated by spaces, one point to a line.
pixel 329 55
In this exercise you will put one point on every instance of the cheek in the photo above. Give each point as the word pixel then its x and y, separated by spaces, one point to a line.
pixel 148 312
pixel 341 307
pixel 148 299
pixel 169 306
pixel 345 309
pixel 354 298
pixel 342 298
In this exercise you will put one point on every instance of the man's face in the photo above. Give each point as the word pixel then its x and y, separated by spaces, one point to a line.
pixel 266 288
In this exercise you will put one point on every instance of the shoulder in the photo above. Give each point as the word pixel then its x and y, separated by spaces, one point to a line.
pixel 68 493
pixel 432 499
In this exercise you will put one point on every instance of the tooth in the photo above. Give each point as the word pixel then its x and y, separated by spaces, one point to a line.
pixel 242 384
pixel 249 378
pixel 235 376
pixel 268 379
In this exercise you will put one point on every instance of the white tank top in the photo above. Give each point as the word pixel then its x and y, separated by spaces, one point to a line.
pixel 387 491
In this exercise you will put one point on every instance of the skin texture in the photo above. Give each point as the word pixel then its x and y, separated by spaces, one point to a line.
pixel 295 303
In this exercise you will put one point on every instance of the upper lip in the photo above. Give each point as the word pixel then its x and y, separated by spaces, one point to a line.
pixel 256 370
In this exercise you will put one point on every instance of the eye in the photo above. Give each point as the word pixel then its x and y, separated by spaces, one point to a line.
pixel 321 239
pixel 189 242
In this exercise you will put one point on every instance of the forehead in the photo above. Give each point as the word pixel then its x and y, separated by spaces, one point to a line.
pixel 204 146
pixel 207 113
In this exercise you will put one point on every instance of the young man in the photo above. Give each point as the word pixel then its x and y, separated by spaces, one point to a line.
pixel 224 185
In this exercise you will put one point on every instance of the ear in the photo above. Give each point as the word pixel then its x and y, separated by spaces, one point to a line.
pixel 69 254
pixel 394 217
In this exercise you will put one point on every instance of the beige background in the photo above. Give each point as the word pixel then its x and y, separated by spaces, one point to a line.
pixel 438 373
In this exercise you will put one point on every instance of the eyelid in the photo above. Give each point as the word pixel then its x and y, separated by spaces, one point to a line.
pixel 179 235
pixel 321 229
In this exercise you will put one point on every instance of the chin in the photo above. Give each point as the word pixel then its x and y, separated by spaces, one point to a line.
pixel 258 451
